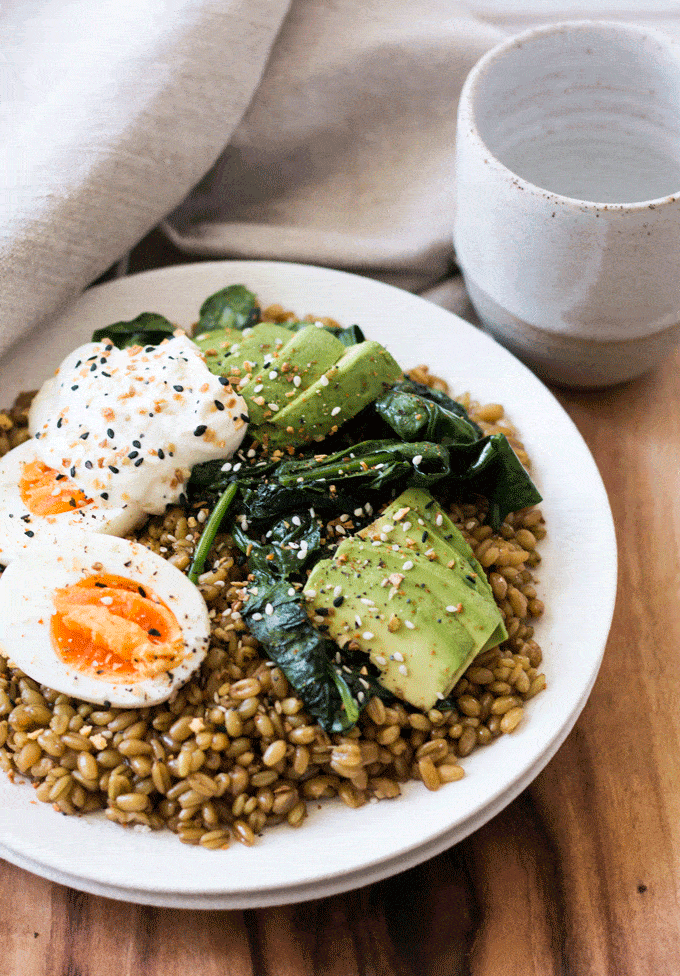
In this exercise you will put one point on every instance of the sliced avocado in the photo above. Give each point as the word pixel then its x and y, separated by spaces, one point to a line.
pixel 361 374
pixel 420 624
pixel 236 352
pixel 423 524
pixel 218 344
pixel 293 368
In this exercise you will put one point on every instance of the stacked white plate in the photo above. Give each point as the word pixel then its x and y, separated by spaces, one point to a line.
pixel 337 848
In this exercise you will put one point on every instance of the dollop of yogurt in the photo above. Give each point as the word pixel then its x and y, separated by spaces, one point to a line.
pixel 127 425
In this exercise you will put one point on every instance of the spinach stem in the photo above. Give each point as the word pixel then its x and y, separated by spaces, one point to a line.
pixel 210 531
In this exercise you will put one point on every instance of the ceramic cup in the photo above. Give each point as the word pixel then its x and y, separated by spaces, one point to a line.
pixel 567 201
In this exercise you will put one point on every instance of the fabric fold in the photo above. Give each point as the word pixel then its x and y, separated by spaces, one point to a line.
pixel 109 114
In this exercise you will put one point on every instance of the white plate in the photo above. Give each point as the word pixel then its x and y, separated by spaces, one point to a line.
pixel 338 849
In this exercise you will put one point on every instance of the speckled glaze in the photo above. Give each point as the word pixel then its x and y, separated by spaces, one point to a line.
pixel 567 202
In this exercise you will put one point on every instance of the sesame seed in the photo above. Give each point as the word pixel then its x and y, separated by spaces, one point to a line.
pixel 269 609
pixel 398 656
pixel 403 670
pixel 324 381
pixel 335 411
pixel 200 430
pixel 297 381
pixel 410 624
pixel 417 459
pixel 439 519
pixel 408 564
pixel 368 635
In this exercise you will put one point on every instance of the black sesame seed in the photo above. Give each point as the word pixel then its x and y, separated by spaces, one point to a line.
pixel 29 533
pixel 113 469
pixel 245 418
pixel 200 430
pixel 154 633
pixel 138 462
pixel 110 432
pixel 141 591
pixel 105 495
pixel 72 472
pixel 149 349
pixel 338 601
pixel 161 453
pixel 224 380
pixel 219 404
pixel 75 386
pixel 72 502
pixel 424 536
pixel 178 388
pixel 136 443
pixel 102 586
pixel 93 367
pixel 88 465
pixel 85 436
pixel 108 375
pixel 59 477
pixel 59 422
pixel 133 454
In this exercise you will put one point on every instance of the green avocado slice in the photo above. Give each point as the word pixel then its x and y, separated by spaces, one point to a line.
pixel 231 353
pixel 423 524
pixel 420 624
pixel 292 369
pixel 358 377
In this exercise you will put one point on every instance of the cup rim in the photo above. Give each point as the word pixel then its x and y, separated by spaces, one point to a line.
pixel 466 114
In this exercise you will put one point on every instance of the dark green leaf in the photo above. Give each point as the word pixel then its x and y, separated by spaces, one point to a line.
pixel 350 336
pixel 491 468
pixel 148 329
pixel 416 418
pixel 287 545
pixel 373 463
pixel 334 686
pixel 234 307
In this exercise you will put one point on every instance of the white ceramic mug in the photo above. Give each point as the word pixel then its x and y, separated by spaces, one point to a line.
pixel 567 204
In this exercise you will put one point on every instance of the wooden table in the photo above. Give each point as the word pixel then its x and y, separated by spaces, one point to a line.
pixel 579 876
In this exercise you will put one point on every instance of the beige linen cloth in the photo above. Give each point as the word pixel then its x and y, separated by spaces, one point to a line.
pixel 318 131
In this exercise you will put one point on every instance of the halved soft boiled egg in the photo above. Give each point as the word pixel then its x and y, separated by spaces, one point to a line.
pixel 102 619
pixel 36 500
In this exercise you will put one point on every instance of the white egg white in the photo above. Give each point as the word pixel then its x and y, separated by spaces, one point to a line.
pixel 26 607
pixel 19 528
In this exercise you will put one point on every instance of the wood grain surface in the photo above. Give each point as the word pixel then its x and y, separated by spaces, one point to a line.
pixel 579 876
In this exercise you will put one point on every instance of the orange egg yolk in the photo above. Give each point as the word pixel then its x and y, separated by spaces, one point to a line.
pixel 45 491
pixel 110 627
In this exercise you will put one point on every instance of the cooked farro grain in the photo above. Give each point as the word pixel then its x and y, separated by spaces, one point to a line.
pixel 234 752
